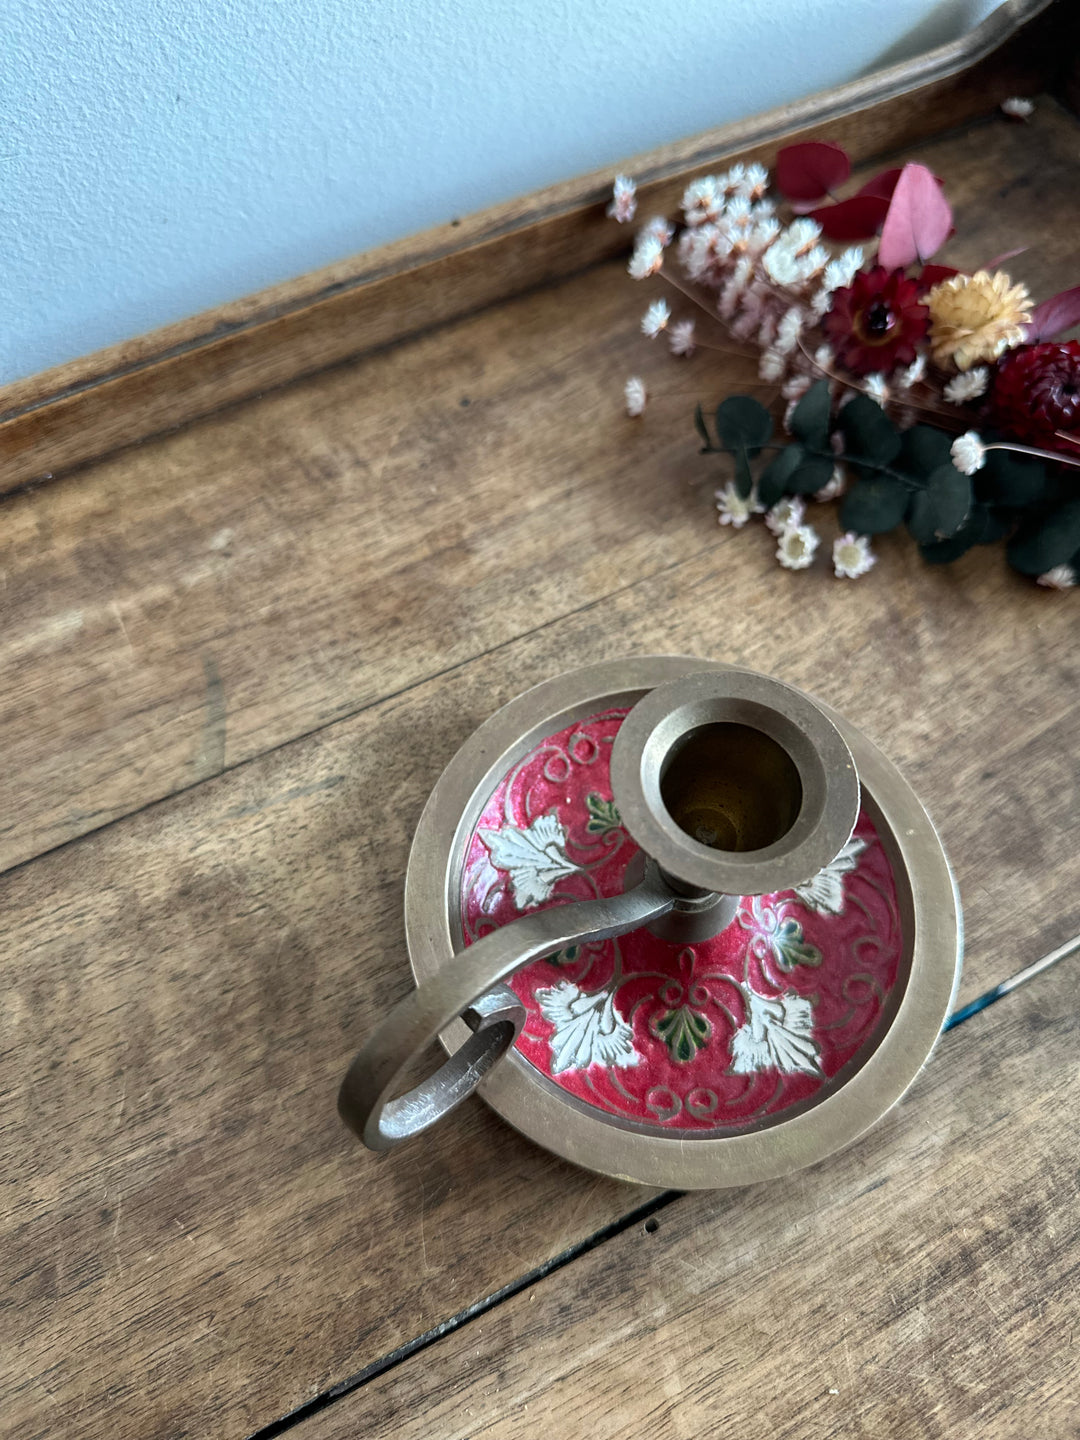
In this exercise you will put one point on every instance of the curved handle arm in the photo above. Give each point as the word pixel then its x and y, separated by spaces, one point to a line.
pixel 467 987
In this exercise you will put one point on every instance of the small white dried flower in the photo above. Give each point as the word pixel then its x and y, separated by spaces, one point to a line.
pixel 660 228
pixel 636 395
pixel 824 357
pixel 655 318
pixel 836 486
pixel 772 366
pixel 789 329
pixel 647 258
pixel 912 374
pixel 767 330
pixel 1018 108
pixel 876 387
pixel 852 556
pixel 968 452
pixel 781 263
pixel 734 180
pixel 797 545
pixel 731 508
pixel 730 296
pixel 795 388
pixel 681 338
pixel 968 385
pixel 802 234
pixel 813 263
pixel 703 201
pixel 821 303
pixel 623 205
pixel 1061 577
pixel 760 236
pixel 738 212
pixel 756 181
pixel 785 513
pixel 842 271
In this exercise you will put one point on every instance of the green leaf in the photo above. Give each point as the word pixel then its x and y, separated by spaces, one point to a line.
pixel 1009 479
pixel 980 527
pixel 923 449
pixel 870 434
pixel 773 480
pixel 684 1032
pixel 743 424
pixel 744 480
pixel 702 429
pixel 937 512
pixel 569 956
pixel 874 505
pixel 810 418
pixel 603 815
pixel 1049 541
pixel 815 472
pixel 790 949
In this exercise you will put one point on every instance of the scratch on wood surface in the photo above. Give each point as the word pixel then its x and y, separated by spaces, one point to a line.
pixel 115 608
pixel 210 757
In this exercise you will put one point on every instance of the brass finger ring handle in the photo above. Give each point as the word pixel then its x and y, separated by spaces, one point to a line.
pixel 472 988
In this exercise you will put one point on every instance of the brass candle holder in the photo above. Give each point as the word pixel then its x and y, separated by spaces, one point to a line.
pixel 727 786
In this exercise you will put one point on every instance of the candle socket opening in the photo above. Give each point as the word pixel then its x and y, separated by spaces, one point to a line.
pixel 731 787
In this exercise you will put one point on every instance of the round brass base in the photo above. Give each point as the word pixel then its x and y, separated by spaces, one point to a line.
pixel 649 1154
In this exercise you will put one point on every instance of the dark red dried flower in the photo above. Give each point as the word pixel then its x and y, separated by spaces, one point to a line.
pixel 1035 396
pixel 876 322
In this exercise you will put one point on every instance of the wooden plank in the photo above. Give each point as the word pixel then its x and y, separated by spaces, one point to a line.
pixel 190 1238
pixel 922 1284
pixel 194 602
pixel 151 383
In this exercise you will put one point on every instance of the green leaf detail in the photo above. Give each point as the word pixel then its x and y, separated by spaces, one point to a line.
pixel 1052 540
pixel 773 480
pixel 791 949
pixel 872 438
pixel 569 956
pixel 923 449
pixel 744 427
pixel 810 418
pixel 684 1032
pixel 937 512
pixel 874 505
pixel 1008 479
pixel 603 815
pixel 811 475
pixel 980 527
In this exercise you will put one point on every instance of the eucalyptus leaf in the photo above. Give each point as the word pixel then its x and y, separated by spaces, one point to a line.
pixel 872 439
pixel 938 511
pixel 874 505
pixel 811 475
pixel 980 527
pixel 773 480
pixel 743 424
pixel 1052 540
pixel 744 480
pixel 922 450
pixel 1010 479
pixel 810 418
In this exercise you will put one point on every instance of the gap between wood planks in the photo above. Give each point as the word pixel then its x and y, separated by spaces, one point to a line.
pixel 641 1215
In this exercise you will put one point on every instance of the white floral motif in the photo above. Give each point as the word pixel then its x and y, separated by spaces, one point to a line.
pixel 536 858
pixel 778 1035
pixel 825 892
pixel 588 1029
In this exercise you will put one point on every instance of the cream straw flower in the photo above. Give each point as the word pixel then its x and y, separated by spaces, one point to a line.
pixel 797 545
pixel 655 318
pixel 968 452
pixel 623 205
pixel 732 509
pixel 636 395
pixel 681 338
pixel 785 514
pixel 1061 577
pixel 967 386
pixel 852 556
pixel 976 317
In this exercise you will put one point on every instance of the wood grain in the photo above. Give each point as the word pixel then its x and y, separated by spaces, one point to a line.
pixel 194 602
pixel 152 383
pixel 922 1284
pixel 189 1233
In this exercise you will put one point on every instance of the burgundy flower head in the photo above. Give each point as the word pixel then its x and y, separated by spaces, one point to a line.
pixel 876 322
pixel 1035 396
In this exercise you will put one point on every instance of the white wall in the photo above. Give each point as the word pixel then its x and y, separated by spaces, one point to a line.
pixel 161 156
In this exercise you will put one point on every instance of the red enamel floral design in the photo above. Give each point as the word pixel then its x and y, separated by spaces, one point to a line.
pixel 709 1037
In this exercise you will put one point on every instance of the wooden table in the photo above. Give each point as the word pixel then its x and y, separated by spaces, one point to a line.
pixel 235 658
